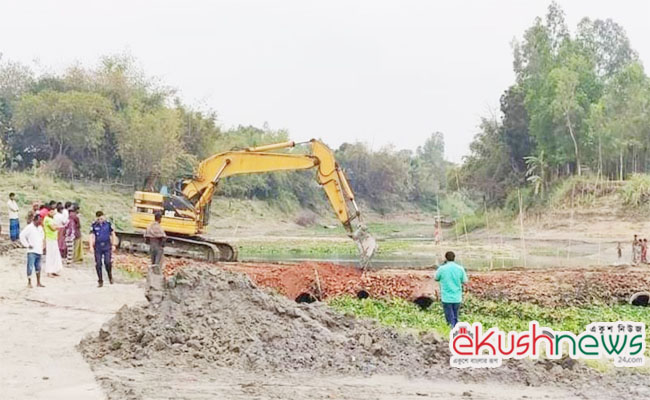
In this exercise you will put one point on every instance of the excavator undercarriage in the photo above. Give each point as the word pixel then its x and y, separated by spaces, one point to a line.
pixel 196 247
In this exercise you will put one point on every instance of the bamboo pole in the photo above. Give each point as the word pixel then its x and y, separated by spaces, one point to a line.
pixel 463 216
pixel 438 222
pixel 568 253
pixel 600 261
pixel 503 258
pixel 487 228
pixel 320 290
pixel 521 224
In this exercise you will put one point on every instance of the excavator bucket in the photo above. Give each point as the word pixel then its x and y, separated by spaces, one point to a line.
pixel 366 243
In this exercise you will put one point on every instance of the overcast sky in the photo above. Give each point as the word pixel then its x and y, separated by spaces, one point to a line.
pixel 376 71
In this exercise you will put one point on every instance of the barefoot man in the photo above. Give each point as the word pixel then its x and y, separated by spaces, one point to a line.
pixel 33 238
pixel 53 262
pixel 155 236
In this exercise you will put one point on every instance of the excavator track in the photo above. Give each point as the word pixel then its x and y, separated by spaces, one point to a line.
pixel 194 247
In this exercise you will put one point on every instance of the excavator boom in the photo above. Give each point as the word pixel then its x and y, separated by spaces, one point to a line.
pixel 187 213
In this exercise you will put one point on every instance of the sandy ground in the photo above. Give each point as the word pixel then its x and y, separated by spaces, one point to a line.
pixel 167 384
pixel 40 328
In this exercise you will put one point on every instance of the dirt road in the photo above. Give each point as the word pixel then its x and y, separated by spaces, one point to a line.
pixel 40 327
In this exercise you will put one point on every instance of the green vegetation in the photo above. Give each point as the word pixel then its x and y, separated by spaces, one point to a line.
pixel 636 191
pixel 313 247
pixel 113 122
pixel 403 315
pixel 578 106
pixel 116 204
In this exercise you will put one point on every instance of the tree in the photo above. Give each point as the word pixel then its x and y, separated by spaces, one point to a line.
pixel 607 43
pixel 487 171
pixel 516 135
pixel 620 120
pixel 536 172
pixel 150 144
pixel 15 80
pixel 200 132
pixel 565 105
pixel 428 169
pixel 70 122
pixel 120 80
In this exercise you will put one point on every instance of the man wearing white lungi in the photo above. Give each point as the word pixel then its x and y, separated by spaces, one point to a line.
pixel 53 262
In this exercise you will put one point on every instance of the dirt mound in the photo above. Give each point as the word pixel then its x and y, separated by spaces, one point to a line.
pixel 210 319
pixel 564 287
pixel 326 280
pixel 318 279
pixel 550 287
pixel 219 318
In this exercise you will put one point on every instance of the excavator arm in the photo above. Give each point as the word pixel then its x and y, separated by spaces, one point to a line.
pixel 201 188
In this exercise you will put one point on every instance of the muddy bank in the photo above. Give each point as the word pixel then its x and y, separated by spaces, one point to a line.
pixel 549 287
pixel 211 321
pixel 210 317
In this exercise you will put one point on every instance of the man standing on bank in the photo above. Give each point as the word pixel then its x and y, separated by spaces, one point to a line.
pixel 451 276
pixel 33 238
pixel 14 221
pixel 102 240
pixel 155 236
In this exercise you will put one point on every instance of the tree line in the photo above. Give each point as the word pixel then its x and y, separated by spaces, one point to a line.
pixel 579 105
pixel 113 122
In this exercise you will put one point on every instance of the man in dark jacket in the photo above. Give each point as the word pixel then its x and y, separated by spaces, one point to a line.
pixel 102 240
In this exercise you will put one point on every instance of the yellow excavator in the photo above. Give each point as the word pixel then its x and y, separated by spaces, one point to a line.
pixel 186 210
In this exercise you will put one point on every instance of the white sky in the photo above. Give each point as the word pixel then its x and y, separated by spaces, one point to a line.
pixel 376 71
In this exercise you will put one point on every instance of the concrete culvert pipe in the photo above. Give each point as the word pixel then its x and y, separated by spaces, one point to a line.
pixel 362 294
pixel 305 298
pixel 640 299
pixel 423 302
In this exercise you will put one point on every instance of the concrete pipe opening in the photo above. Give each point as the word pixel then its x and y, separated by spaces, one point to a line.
pixel 423 302
pixel 362 294
pixel 305 298
pixel 640 299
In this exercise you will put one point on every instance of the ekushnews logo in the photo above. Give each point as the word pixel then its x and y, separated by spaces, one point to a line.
pixel 622 341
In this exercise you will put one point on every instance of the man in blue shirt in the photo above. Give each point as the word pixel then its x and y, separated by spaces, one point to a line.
pixel 451 276
pixel 102 240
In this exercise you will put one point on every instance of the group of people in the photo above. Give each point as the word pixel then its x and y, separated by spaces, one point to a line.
pixel 54 230
pixel 639 250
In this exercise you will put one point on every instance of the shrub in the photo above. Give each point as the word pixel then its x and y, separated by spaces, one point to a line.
pixel 636 191
pixel 306 218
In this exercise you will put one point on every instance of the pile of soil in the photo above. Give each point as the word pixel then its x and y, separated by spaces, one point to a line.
pixel 326 280
pixel 139 263
pixel 319 279
pixel 216 317
pixel 561 287
pixel 209 318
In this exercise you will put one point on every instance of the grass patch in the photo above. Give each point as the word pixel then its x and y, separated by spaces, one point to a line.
pixel 310 247
pixel 636 191
pixel 129 275
pixel 403 315
pixel 29 188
